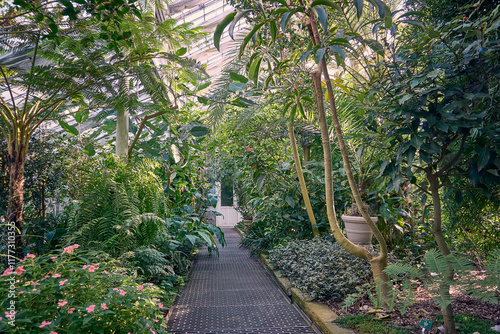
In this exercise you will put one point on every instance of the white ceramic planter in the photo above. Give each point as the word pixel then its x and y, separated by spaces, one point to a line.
pixel 357 230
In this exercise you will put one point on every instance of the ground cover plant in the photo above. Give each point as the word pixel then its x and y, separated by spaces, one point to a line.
pixel 368 324
pixel 321 268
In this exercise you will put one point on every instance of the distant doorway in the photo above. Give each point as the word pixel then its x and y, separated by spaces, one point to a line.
pixel 227 204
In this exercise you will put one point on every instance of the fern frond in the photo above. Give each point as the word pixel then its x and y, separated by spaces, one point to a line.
pixel 493 263
pixel 459 263
pixel 436 263
pixel 441 301
pixel 152 262
pixel 398 270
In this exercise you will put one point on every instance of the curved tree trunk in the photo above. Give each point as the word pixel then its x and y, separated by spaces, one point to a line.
pixel 444 288
pixel 379 262
pixel 300 174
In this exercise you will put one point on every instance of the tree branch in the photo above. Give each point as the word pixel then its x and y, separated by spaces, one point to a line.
pixel 8 113
pixel 74 112
pixel 455 158
pixel 141 127
pixel 444 147
pixel 8 88
pixel 422 189
pixel 28 12
pixel 37 124
pixel 31 76
pixel 4 133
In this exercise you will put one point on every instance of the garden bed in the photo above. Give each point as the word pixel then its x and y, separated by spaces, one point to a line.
pixel 425 308
pixel 326 273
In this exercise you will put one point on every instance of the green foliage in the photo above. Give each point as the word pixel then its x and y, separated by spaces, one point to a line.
pixel 123 210
pixel 405 279
pixel 192 233
pixel 432 127
pixel 436 11
pixel 472 217
pixel 321 268
pixel 368 324
pixel 149 262
pixel 488 289
pixel 66 292
pixel 469 323
pixel 120 208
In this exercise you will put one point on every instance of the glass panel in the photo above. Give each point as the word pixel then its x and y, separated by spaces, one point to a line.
pixel 227 192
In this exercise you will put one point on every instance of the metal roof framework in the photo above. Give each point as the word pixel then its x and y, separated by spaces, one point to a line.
pixel 205 14
pixel 200 13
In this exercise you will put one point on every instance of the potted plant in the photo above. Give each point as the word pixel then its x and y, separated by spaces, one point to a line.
pixel 356 228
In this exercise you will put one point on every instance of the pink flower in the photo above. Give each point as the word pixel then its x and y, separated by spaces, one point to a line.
pixel 7 272
pixel 106 272
pixel 114 289
pixel 45 323
pixel 156 320
pixel 52 332
pixel 104 306
pixel 90 308
pixel 122 292
pixel 21 292
pixel 70 249
pixel 61 283
pixel 28 256
pixel 152 331
pixel 85 266
pixel 10 315
pixel 160 306
pixel 56 275
pixel 91 269
pixel 140 287
pixel 249 149
pixel 19 270
pixel 35 290
pixel 61 303
pixel 71 310
pixel 53 257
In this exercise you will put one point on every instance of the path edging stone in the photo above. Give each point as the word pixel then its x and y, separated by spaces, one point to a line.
pixel 320 314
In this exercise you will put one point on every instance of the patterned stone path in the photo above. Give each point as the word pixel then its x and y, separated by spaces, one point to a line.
pixel 233 294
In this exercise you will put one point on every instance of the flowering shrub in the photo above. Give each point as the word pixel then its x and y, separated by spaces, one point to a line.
pixel 68 293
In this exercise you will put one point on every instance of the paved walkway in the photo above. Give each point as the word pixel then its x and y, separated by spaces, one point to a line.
pixel 233 294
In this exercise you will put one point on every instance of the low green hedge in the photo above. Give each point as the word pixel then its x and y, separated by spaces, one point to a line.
pixel 321 268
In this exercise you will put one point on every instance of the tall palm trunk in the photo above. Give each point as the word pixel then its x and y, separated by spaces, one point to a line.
pixel 122 132
pixel 17 160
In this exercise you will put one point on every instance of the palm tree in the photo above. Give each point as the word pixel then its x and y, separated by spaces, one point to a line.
pixel 52 68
